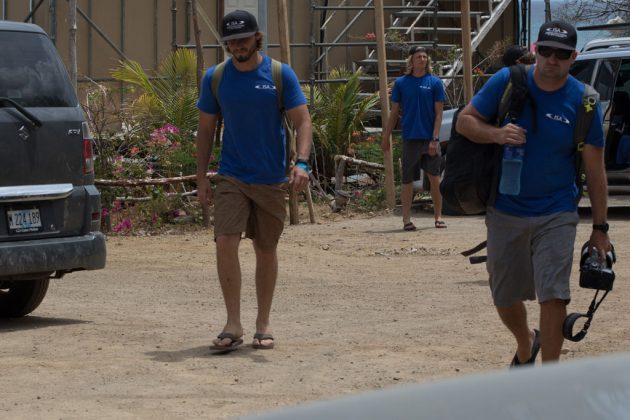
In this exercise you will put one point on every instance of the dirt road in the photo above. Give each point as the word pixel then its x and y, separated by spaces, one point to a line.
pixel 360 305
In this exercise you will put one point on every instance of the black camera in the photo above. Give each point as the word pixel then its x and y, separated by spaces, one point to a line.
pixel 596 274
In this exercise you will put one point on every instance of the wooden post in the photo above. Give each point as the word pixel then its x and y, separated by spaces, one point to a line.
pixel 205 208
pixel 382 82
pixel 198 46
pixel 468 86
pixel 285 56
pixel 283 32
pixel 72 48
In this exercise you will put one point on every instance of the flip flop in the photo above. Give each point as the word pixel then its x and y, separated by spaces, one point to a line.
pixel 234 343
pixel 260 337
pixel 439 224
pixel 535 350
pixel 409 227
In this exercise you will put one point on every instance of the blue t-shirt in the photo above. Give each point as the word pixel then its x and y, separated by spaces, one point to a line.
pixel 253 149
pixel 417 97
pixel 548 173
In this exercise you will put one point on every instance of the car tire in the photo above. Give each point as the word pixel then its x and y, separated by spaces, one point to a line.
pixel 22 297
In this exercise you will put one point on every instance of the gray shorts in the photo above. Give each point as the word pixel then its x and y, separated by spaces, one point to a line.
pixel 530 257
pixel 415 156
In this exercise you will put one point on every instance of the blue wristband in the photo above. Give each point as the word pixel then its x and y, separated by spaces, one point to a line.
pixel 303 165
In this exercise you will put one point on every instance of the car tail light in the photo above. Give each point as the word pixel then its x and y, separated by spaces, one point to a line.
pixel 88 155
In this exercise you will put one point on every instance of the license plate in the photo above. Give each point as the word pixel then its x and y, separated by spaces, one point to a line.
pixel 24 221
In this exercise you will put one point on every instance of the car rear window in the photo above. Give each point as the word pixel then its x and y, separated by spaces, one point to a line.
pixel 31 72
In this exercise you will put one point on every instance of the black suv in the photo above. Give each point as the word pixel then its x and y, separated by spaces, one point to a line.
pixel 49 208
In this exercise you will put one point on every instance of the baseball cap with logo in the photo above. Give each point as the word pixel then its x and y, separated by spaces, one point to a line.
pixel 557 34
pixel 238 24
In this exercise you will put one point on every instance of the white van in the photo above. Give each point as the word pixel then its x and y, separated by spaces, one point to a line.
pixel 600 43
pixel 608 71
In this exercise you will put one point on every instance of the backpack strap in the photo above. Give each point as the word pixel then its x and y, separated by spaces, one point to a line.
pixel 276 76
pixel 289 134
pixel 584 119
pixel 515 95
pixel 217 75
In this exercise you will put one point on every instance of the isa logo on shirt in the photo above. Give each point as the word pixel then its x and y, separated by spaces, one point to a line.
pixel 424 87
pixel 558 118
pixel 265 86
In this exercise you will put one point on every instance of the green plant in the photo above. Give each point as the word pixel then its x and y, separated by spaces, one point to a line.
pixel 371 200
pixel 171 95
pixel 338 110
pixel 370 150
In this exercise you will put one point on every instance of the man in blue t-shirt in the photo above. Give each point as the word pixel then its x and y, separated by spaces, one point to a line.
pixel 531 235
pixel 421 96
pixel 251 184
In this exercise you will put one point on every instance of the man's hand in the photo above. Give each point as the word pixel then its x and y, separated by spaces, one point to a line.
pixel 601 241
pixel 433 147
pixel 511 134
pixel 204 190
pixel 298 179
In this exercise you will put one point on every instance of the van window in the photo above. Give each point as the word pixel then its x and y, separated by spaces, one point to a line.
pixel 583 70
pixel 605 82
pixel 621 99
pixel 31 72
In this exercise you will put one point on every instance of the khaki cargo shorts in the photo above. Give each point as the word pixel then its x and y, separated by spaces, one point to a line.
pixel 259 210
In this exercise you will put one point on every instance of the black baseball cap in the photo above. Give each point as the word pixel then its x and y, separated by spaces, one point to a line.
pixel 557 34
pixel 417 48
pixel 238 24
pixel 512 54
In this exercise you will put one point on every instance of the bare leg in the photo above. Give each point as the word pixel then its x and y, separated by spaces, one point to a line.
pixel 229 270
pixel 552 315
pixel 515 319
pixel 406 196
pixel 436 196
pixel 266 275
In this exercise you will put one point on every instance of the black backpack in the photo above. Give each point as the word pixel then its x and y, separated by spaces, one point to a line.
pixel 471 172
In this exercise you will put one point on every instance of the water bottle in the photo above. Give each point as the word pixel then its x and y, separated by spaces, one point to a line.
pixel 511 167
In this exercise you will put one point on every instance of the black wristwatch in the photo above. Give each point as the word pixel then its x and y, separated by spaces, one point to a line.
pixel 603 227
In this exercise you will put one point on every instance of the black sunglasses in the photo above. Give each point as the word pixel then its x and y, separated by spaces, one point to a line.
pixel 559 53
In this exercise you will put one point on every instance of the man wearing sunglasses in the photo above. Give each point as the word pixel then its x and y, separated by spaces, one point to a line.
pixel 531 230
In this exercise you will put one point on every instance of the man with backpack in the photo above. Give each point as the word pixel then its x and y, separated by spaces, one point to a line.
pixel 251 184
pixel 421 96
pixel 532 227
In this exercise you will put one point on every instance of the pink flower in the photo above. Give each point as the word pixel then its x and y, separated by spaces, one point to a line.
pixel 169 128
pixel 125 225
pixel 158 137
pixel 370 36
pixel 104 212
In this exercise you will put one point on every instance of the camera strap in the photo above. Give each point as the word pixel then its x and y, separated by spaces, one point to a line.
pixel 567 326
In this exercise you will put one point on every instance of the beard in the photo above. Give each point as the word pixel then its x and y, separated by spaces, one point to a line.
pixel 243 57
